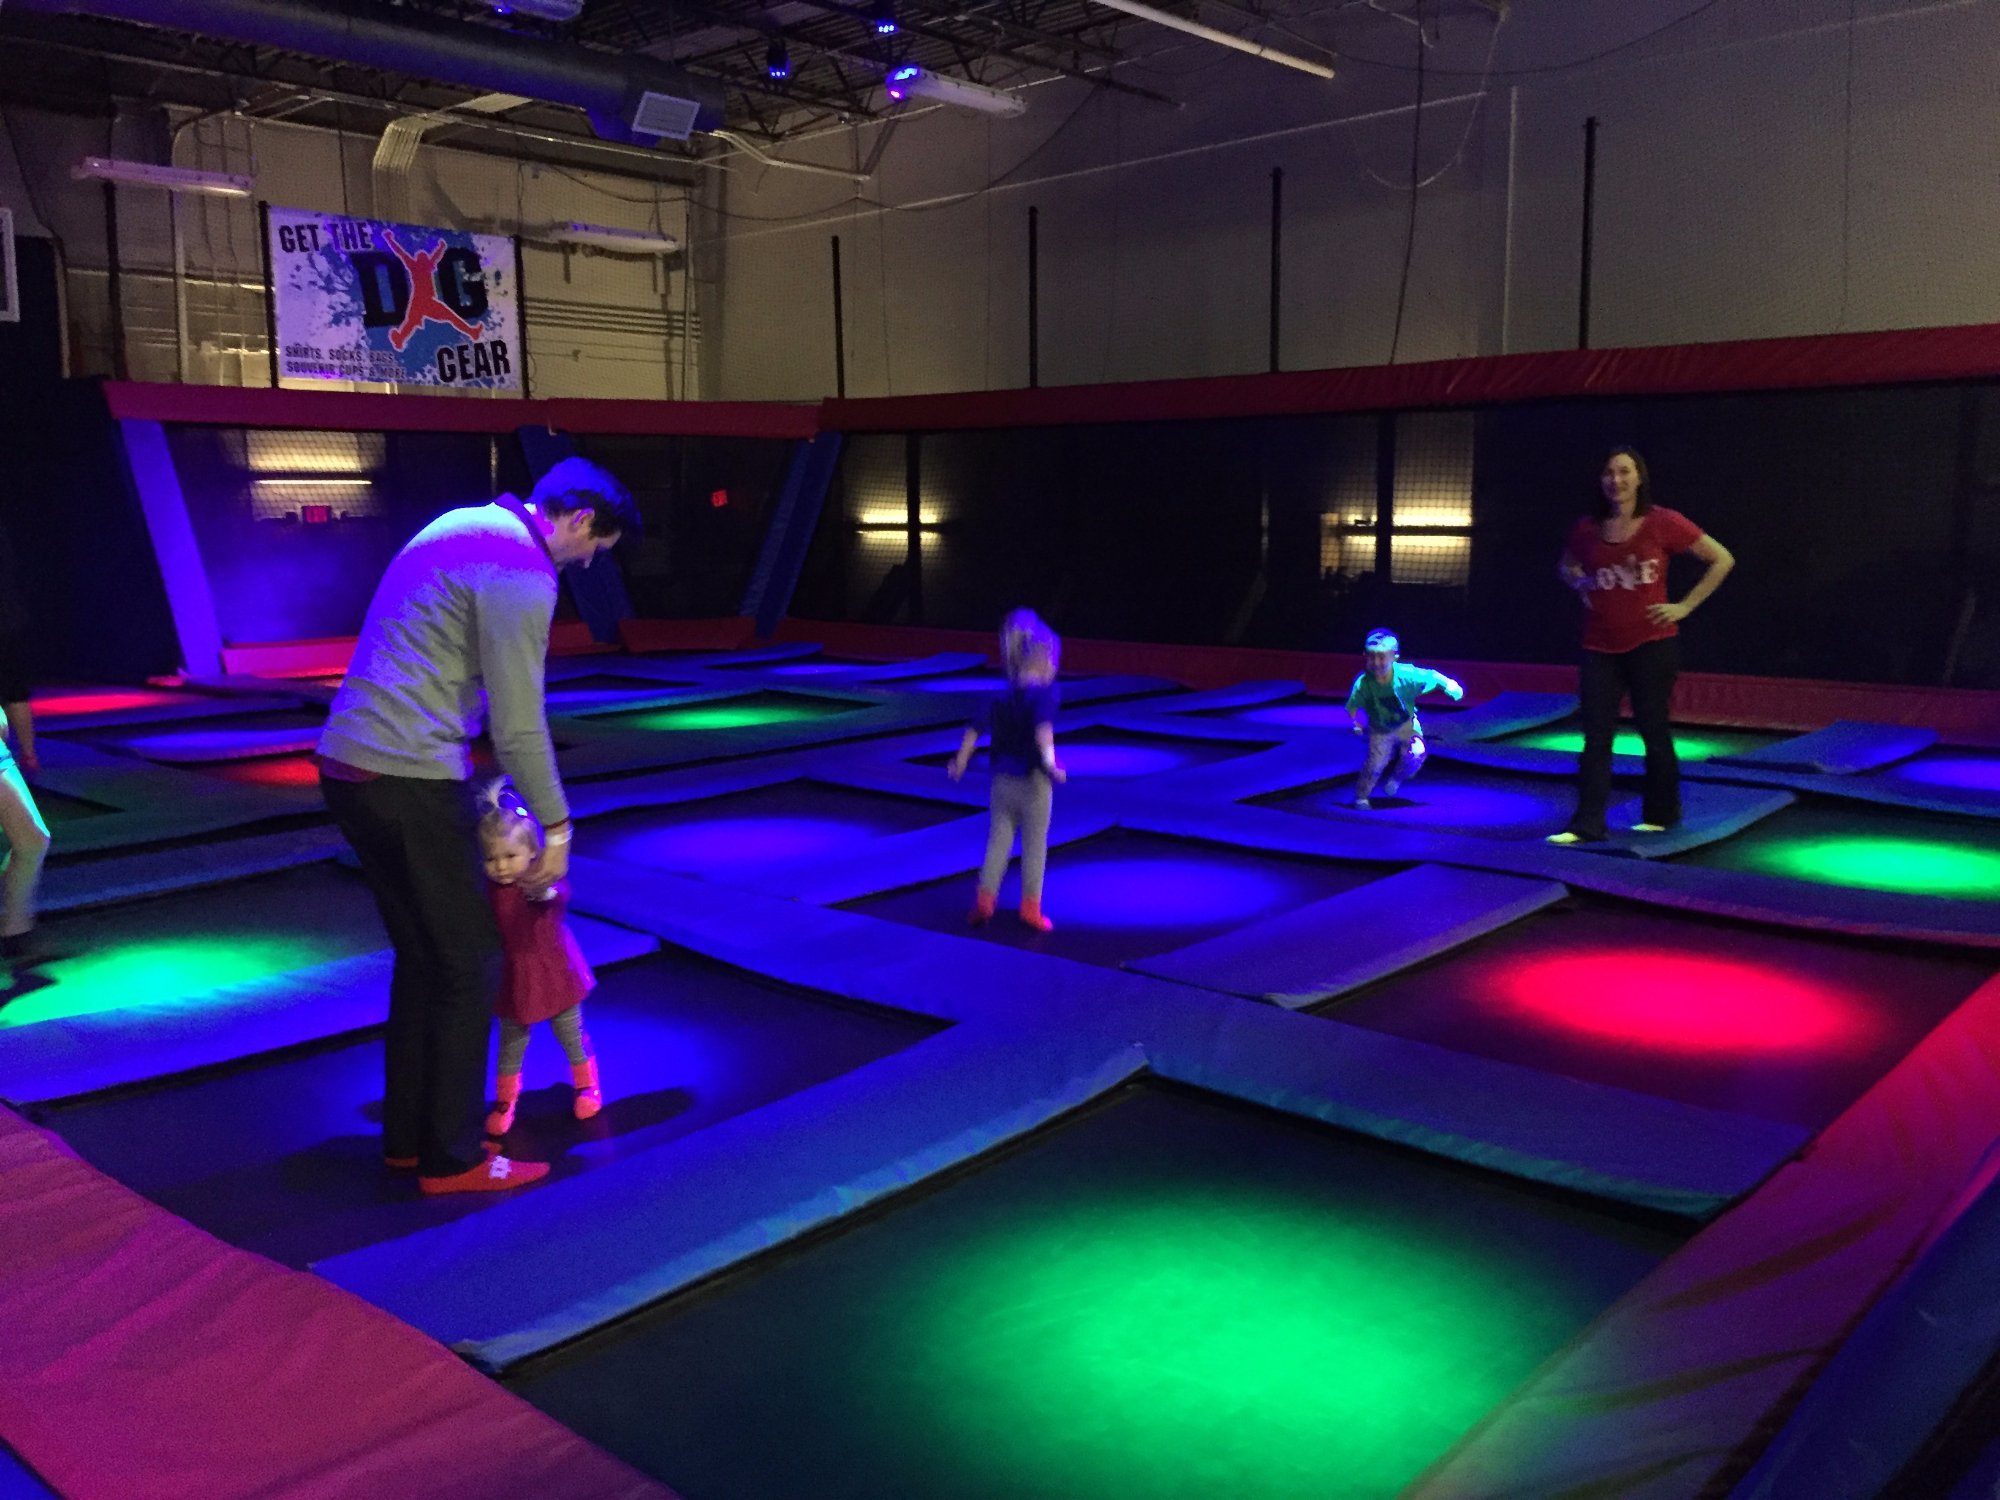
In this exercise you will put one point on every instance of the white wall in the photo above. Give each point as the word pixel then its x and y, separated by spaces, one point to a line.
pixel 597 325
pixel 1721 200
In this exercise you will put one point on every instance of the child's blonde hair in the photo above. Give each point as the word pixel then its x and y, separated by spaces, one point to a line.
pixel 504 817
pixel 1024 635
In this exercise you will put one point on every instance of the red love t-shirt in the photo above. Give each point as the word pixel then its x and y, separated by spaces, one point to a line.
pixel 1627 577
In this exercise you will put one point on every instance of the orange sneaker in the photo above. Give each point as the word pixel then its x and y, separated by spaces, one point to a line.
pixel 589 1097
pixel 983 904
pixel 1031 913
pixel 498 1174
pixel 506 1099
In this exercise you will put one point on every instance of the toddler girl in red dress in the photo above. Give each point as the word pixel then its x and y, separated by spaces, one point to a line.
pixel 546 977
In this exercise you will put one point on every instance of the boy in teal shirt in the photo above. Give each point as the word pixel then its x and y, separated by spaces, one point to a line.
pixel 1383 706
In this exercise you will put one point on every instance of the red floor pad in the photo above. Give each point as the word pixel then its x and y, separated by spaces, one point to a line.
pixel 1680 1384
pixel 142 1357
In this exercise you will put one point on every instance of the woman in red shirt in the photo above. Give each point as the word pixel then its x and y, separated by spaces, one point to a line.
pixel 1617 563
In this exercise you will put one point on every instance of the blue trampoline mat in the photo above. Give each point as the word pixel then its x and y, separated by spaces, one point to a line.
pixel 1122 755
pixel 282 1154
pixel 1121 895
pixel 719 836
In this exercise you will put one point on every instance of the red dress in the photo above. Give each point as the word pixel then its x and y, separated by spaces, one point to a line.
pixel 545 972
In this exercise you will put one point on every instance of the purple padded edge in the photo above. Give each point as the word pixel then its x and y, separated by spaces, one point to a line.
pixel 1330 947
pixel 1841 749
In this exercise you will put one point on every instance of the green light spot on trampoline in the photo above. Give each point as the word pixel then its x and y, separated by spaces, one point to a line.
pixel 1689 745
pixel 172 974
pixel 730 716
pixel 1172 1347
pixel 1923 867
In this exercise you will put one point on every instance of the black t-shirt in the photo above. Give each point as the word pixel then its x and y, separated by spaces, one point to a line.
pixel 1011 717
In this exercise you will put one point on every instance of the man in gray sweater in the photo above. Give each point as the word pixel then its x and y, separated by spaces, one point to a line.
pixel 456 636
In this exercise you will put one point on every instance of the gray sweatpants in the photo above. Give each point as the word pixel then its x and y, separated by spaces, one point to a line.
pixel 568 1027
pixel 1023 803
pixel 1400 752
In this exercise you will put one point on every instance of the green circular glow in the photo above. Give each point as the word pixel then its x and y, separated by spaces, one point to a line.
pixel 729 715
pixel 1879 862
pixel 1216 1343
pixel 166 973
pixel 1689 744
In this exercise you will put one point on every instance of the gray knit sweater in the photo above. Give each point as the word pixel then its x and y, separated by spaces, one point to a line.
pixel 456 636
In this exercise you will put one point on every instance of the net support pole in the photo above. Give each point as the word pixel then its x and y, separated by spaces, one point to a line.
pixel 114 280
pixel 1589 202
pixel 1277 249
pixel 1034 298
pixel 270 268
pixel 913 500
pixel 1385 502
pixel 839 328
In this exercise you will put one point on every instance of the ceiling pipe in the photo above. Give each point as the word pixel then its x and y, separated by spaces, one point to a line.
pixel 610 88
pixel 1220 38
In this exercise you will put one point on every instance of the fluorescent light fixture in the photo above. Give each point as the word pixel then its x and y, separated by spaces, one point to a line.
pixel 358 482
pixel 618 241
pixel 911 79
pixel 173 179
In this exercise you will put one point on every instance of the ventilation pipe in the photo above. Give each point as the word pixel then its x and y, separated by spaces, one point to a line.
pixel 629 97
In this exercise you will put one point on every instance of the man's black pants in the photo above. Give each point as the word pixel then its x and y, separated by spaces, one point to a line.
pixel 419 847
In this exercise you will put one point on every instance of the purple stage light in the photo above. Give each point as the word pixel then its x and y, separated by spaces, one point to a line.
pixel 1296 715
pixel 1122 892
pixel 723 844
pixel 221 744
pixel 1115 761
pixel 1960 770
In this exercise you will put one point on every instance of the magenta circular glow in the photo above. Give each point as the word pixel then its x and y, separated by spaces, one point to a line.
pixel 1673 1001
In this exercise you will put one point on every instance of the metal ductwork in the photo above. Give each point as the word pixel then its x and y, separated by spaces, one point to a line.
pixel 628 97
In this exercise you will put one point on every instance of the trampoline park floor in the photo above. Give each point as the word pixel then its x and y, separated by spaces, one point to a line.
pixel 733 832
pixel 220 737
pixel 1310 711
pixel 1161 1296
pixel 1842 843
pixel 281 1154
pixel 173 950
pixel 56 809
pixel 1780 1026
pixel 1121 755
pixel 742 711
pixel 1693 742
pixel 1449 797
pixel 293 770
pixel 1121 895
pixel 1948 769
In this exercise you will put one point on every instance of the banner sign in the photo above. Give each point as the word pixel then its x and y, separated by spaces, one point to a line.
pixel 357 299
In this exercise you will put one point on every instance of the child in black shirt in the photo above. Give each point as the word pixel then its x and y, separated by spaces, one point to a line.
pixel 1021 750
